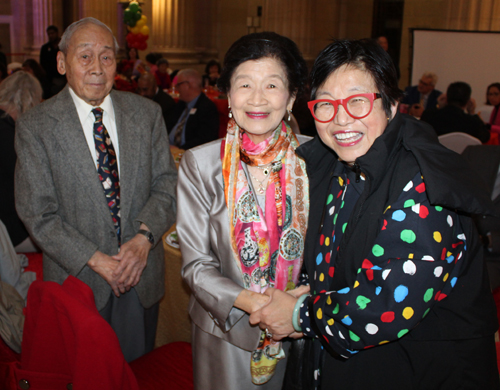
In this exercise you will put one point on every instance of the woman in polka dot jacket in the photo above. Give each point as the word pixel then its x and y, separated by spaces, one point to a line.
pixel 399 293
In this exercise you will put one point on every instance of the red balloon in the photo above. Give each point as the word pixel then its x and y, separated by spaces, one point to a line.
pixel 143 46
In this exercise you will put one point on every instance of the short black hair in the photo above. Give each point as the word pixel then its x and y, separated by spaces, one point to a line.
pixel 53 28
pixel 362 54
pixel 212 63
pixel 255 46
pixel 458 93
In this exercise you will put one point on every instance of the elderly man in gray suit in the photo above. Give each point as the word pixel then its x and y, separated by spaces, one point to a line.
pixel 95 186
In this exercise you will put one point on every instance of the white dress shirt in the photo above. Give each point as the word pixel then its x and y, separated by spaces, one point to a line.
pixel 87 120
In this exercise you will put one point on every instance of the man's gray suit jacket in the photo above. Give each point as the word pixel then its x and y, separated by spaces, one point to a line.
pixel 60 199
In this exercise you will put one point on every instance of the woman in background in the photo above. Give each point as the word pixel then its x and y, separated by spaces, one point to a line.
pixel 18 93
pixel 242 216
pixel 493 98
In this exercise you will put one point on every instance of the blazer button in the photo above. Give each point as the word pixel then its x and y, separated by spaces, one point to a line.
pixel 24 384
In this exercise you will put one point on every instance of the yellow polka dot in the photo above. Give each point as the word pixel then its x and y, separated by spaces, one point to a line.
pixel 321 277
pixel 448 254
pixel 356 284
pixel 388 207
pixel 410 256
pixel 327 241
pixel 341 181
pixel 446 277
pixel 437 236
pixel 330 321
pixel 408 313
pixel 383 342
pixel 329 300
pixel 319 314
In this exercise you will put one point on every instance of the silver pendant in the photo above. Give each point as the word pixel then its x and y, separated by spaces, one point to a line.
pixel 265 171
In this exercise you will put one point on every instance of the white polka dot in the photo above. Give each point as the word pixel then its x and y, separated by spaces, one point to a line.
pixel 327 328
pixel 341 335
pixel 408 187
pixel 438 271
pixel 461 236
pixel 409 267
pixel 371 328
pixel 459 256
pixel 449 219
pixel 385 273
pixel 316 374
pixel 307 313
pixel 332 210
pixel 428 258
pixel 308 330
pixel 301 320
pixel 416 208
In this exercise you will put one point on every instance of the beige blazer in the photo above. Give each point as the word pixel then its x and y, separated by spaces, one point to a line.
pixel 209 267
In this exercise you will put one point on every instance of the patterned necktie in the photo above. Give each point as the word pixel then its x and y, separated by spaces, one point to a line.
pixel 180 127
pixel 107 168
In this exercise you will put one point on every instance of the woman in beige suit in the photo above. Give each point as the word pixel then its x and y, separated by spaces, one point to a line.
pixel 243 207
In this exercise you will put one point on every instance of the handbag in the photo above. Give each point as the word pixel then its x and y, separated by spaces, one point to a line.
pixel 299 371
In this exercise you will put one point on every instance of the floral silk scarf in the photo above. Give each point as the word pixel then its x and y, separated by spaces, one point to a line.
pixel 267 249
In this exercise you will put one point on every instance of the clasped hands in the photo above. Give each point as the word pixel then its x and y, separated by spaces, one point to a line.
pixel 276 314
pixel 123 271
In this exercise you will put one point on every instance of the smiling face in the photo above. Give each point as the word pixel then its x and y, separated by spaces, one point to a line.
pixel 351 138
pixel 90 63
pixel 259 97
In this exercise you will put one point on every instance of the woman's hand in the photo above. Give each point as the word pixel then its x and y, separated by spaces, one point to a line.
pixel 250 301
pixel 299 291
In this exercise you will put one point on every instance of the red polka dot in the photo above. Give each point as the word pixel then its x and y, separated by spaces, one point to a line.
pixel 456 244
pixel 348 181
pixel 316 299
pixel 436 297
pixel 443 254
pixel 322 292
pixel 385 224
pixel 327 257
pixel 367 264
pixel 369 274
pixel 326 338
pixel 441 297
pixel 331 271
pixel 424 212
pixel 368 346
pixel 340 193
pixel 420 188
pixel 321 239
pixel 347 303
pixel 388 316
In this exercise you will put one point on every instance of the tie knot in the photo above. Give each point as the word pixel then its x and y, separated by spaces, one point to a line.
pixel 97 113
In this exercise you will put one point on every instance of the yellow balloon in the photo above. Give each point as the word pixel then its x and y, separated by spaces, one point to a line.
pixel 144 18
pixel 140 24
pixel 135 30
pixel 145 30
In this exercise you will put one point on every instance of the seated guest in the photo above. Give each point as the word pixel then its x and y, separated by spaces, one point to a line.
pixel 147 87
pixel 151 60
pixel 493 98
pixel 123 78
pixel 161 74
pixel 422 96
pixel 212 74
pixel 458 114
pixel 33 67
pixel 18 93
pixel 195 120
pixel 139 68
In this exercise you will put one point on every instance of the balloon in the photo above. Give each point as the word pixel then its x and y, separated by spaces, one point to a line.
pixel 141 37
pixel 135 30
pixel 140 23
pixel 134 6
pixel 145 18
pixel 143 46
pixel 145 30
pixel 138 15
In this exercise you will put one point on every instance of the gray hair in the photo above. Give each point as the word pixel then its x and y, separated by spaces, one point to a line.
pixel 432 76
pixel 20 92
pixel 193 76
pixel 68 33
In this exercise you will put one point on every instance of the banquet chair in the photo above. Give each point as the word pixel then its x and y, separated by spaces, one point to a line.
pixel 458 141
pixel 66 344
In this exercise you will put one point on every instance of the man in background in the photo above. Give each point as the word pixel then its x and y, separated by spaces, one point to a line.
pixel 147 87
pixel 458 115
pixel 48 61
pixel 195 120
pixel 422 96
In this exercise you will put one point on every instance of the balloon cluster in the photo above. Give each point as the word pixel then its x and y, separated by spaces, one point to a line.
pixel 138 30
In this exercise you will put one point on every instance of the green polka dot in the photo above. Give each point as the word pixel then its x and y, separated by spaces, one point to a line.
pixel 342 204
pixel 336 310
pixel 428 295
pixel 377 250
pixel 362 302
pixel 409 203
pixel 353 336
pixel 343 227
pixel 426 312
pixel 359 270
pixel 408 236
pixel 335 219
pixel 330 198
pixel 438 208
pixel 402 332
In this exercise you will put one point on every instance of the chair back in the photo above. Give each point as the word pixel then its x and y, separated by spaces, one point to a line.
pixel 458 141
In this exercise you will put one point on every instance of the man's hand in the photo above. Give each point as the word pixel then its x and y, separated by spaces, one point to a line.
pixel 105 266
pixel 276 316
pixel 471 106
pixel 132 258
pixel 416 110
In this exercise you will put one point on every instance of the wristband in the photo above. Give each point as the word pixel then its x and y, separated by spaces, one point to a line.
pixel 296 309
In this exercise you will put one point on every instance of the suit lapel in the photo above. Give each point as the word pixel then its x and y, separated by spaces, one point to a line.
pixel 130 143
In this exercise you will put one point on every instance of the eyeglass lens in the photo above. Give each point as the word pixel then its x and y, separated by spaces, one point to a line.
pixel 357 106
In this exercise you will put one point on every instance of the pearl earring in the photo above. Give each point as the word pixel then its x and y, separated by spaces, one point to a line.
pixel 230 115
pixel 289 113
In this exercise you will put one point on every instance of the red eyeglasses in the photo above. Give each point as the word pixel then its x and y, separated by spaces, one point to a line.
pixel 357 106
